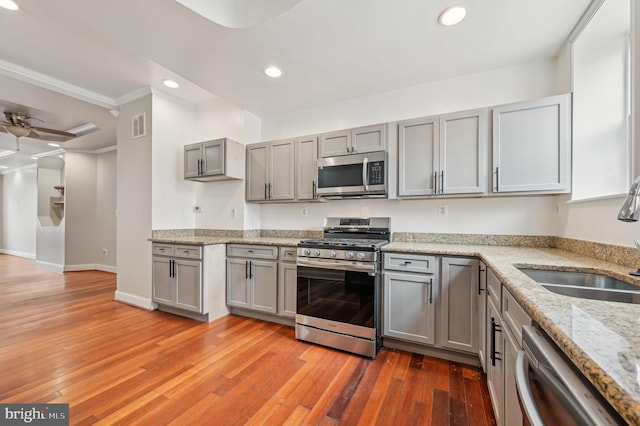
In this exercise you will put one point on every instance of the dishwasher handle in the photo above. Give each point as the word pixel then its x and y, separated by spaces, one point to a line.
pixel 551 383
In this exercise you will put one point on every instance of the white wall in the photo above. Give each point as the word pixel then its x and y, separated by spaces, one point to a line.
pixel 106 197
pixel 134 206
pixel 80 211
pixel 173 197
pixel 19 213
pixel 499 215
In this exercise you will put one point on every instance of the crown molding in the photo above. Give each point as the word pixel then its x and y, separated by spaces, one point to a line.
pixel 46 82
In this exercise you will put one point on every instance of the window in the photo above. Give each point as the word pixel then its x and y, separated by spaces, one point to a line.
pixel 601 103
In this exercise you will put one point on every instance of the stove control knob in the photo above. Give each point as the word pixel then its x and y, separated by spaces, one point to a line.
pixel 316 252
pixel 349 255
pixel 361 256
pixel 307 252
pixel 333 253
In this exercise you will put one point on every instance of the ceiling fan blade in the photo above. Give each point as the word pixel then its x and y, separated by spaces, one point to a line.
pixel 54 132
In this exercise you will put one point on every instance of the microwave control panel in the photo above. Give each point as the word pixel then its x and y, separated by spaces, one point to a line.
pixel 376 172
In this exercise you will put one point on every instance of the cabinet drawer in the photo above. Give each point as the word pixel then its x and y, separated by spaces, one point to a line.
pixel 163 249
pixel 288 254
pixel 189 252
pixel 410 262
pixel 494 288
pixel 254 252
pixel 514 315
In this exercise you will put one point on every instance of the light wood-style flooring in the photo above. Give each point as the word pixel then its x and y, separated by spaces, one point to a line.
pixel 64 340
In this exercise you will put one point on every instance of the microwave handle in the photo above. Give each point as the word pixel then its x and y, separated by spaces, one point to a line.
pixel 365 179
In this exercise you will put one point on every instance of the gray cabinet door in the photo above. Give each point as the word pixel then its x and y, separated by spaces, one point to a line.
pixel 531 146
pixel 264 286
pixel 409 307
pixel 495 377
pixel 463 153
pixel 459 304
pixel 188 279
pixel 418 145
pixel 214 157
pixel 306 170
pixel 238 289
pixel 369 139
pixel 192 157
pixel 287 288
pixel 335 143
pixel 163 283
pixel 257 171
pixel 482 315
pixel 512 414
pixel 282 171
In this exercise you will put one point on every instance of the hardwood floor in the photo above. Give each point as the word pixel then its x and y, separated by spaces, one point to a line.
pixel 64 340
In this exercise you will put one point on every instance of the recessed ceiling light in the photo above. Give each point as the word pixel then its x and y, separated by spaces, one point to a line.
pixel 55 145
pixel 171 83
pixel 452 15
pixel 273 72
pixel 8 4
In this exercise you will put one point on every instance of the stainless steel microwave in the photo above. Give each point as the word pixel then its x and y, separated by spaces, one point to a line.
pixel 355 175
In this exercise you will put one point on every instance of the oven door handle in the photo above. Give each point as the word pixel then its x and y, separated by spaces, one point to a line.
pixel 330 264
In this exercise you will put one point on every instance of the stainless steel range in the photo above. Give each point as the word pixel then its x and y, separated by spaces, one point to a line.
pixel 339 285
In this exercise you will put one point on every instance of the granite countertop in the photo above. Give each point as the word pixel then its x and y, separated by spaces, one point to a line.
pixel 208 240
pixel 601 338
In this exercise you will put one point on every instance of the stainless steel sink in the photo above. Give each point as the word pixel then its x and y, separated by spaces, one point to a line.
pixel 585 285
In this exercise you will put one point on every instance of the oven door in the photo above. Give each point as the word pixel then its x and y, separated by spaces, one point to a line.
pixel 338 295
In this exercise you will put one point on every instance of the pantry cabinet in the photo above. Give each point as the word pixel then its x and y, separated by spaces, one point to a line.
pixel 532 146
pixel 271 171
pixel 443 155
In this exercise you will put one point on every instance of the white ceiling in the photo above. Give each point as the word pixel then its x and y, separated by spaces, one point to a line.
pixel 329 50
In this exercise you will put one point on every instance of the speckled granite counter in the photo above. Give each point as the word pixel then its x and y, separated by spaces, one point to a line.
pixel 208 240
pixel 601 338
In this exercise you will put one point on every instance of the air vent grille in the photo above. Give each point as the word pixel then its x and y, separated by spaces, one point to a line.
pixel 138 123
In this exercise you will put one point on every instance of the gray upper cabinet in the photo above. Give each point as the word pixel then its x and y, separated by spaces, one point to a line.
pixel 306 171
pixel 354 141
pixel 443 155
pixel 418 148
pixel 219 159
pixel 271 171
pixel 532 146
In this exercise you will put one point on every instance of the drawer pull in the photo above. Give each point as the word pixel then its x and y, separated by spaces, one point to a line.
pixel 161 249
pixel 249 251
pixel 407 262
pixel 186 252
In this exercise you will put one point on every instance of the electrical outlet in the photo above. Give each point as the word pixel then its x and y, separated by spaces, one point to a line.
pixel 304 211
pixel 234 212
pixel 443 210
pixel 197 209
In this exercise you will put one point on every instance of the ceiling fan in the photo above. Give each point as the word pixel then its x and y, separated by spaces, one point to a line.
pixel 19 125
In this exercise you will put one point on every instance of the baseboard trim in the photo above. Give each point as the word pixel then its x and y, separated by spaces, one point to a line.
pixel 91 267
pixel 19 254
pixel 135 300
pixel 50 266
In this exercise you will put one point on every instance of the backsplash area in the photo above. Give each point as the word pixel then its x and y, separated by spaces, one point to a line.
pixel 620 255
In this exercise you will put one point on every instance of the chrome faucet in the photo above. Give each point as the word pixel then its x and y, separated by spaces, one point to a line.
pixel 630 211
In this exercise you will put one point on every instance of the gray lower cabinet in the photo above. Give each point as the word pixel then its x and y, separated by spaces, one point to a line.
pixel 505 318
pixel 287 282
pixel 177 279
pixel 410 294
pixel 459 300
pixel 252 273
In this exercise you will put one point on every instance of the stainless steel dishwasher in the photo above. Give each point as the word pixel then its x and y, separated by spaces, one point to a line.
pixel 550 389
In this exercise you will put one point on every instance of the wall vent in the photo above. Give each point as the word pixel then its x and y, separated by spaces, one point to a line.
pixel 138 126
